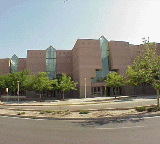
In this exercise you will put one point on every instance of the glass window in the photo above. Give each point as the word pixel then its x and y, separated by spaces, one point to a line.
pixel 51 62
pixel 101 74
pixel 95 90
pixel 14 63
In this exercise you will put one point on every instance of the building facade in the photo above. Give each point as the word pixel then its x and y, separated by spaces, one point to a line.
pixel 87 63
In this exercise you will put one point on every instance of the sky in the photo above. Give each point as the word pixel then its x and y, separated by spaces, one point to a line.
pixel 37 24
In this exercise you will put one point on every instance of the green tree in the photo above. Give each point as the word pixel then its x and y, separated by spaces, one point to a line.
pixel 29 82
pixel 41 82
pixel 66 84
pixel 146 69
pixel 2 84
pixel 11 80
pixel 22 79
pixel 114 80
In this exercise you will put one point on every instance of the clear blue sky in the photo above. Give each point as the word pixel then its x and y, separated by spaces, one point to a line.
pixel 37 24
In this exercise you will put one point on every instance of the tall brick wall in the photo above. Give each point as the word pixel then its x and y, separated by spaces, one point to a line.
pixel 36 61
pixel 21 64
pixel 4 66
pixel 86 60
pixel 64 62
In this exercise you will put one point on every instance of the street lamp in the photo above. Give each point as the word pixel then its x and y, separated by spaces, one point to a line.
pixel 85 86
pixel 7 91
pixel 18 90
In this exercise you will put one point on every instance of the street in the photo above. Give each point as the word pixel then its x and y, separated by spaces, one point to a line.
pixel 119 131
pixel 131 103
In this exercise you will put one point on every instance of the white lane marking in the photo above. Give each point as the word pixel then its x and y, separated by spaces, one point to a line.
pixel 139 126
pixel 148 117
pixel 4 116
pixel 136 118
pixel 22 118
pixel 157 116
pixel 38 119
pixel 14 117
pixel 120 128
pixel 116 128
pixel 26 118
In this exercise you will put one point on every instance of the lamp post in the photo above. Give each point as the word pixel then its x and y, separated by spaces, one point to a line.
pixel 7 91
pixel 18 90
pixel 85 86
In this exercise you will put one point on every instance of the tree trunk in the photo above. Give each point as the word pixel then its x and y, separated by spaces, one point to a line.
pixel 158 98
pixel 63 95
pixel 115 93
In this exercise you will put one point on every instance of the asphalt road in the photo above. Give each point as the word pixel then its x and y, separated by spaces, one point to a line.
pixel 118 104
pixel 29 131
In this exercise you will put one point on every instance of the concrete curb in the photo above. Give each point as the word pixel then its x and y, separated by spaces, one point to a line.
pixel 125 108
pixel 138 116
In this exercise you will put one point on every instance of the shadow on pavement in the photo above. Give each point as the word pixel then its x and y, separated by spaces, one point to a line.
pixel 93 123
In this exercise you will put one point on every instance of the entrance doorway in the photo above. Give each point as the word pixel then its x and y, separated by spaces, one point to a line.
pixel 101 91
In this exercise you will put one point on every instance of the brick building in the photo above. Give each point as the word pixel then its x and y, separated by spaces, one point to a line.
pixel 87 63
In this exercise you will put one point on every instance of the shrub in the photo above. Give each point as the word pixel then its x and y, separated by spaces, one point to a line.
pixel 67 112
pixel 53 113
pixel 150 109
pixel 156 108
pixel 59 112
pixel 21 113
pixel 42 112
pixel 83 112
pixel 48 111
pixel 140 109
pixel 45 111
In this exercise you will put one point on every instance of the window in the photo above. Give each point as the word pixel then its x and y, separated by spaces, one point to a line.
pixel 51 62
pixel 14 63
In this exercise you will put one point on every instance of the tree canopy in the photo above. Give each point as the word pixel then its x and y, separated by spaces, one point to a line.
pixel 66 84
pixel 41 82
pixel 146 69
pixel 12 79
pixel 2 83
pixel 114 80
